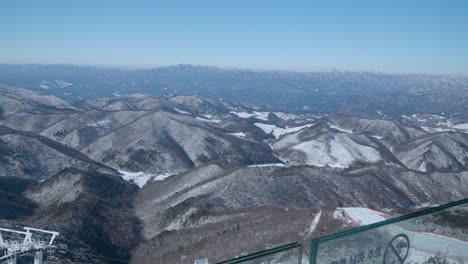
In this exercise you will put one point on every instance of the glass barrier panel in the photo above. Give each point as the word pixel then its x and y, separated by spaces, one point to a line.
pixel 287 254
pixel 436 235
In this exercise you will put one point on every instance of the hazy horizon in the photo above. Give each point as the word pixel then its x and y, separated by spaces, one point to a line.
pixel 399 36
pixel 149 67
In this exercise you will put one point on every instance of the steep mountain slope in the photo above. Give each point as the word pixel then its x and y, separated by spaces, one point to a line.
pixel 388 132
pixel 12 204
pixel 324 145
pixel 245 231
pixel 26 155
pixel 205 198
pixel 296 186
pixel 445 151
pixel 14 101
pixel 164 137
pixel 92 211
pixel 167 142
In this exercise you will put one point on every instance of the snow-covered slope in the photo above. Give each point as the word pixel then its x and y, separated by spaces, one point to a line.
pixel 279 131
pixel 446 151
pixel 322 145
pixel 362 215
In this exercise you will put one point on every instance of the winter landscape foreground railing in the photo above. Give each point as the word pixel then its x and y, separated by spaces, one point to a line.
pixel 437 235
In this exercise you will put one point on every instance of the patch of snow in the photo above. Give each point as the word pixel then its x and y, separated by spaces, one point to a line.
pixel 141 178
pixel 238 134
pixel 163 176
pixel 278 131
pixel 363 215
pixel 438 116
pixel 255 114
pixel 315 222
pixel 99 123
pixel 285 116
pixel 437 129
pixel 62 83
pixel 377 137
pixel 415 116
pixel 138 178
pixel 295 129
pixel 427 129
pixel 338 214
pixel 267 128
pixel 242 114
pixel 116 94
pixel 440 129
pixel 261 115
pixel 44 84
pixel 268 165
pixel 461 126
pixel 341 129
pixel 423 167
pixel 208 120
pixel 182 112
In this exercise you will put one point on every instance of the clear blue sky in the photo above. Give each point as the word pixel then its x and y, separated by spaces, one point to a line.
pixel 393 35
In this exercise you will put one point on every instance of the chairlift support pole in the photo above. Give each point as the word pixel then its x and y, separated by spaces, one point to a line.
pixel 27 246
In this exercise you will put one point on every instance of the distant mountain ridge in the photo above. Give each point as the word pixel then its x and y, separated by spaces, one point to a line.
pixel 333 91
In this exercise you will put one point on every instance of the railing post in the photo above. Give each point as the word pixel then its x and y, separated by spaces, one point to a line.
pixel 38 257
pixel 12 260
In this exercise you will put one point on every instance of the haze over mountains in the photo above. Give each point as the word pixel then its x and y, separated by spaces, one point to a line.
pixel 329 92
pixel 152 167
